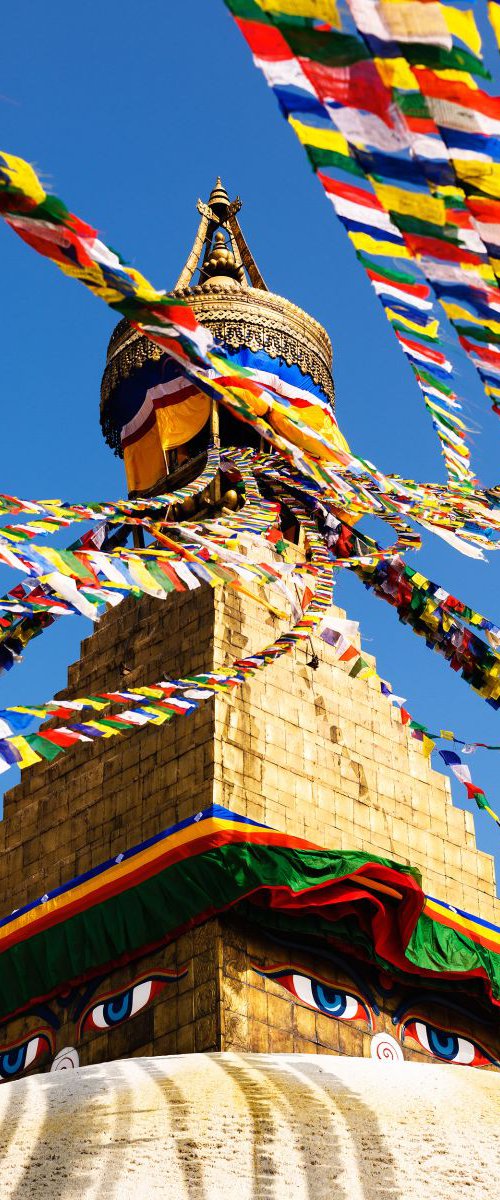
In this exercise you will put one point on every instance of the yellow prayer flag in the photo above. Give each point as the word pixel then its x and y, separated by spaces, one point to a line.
pixel 494 16
pixel 144 580
pixel 322 10
pixel 28 755
pixel 105 730
pixel 144 290
pixel 482 269
pixel 430 330
pixel 396 72
pixel 51 556
pixel 416 204
pixel 23 177
pixel 476 619
pixel 482 175
pixel 445 412
pixel 463 26
pixel 458 77
pixel 447 734
pixel 32 712
pixel 363 241
pixel 457 313
pixel 323 139
pixel 427 746
pixel 159 715
pixel 447 192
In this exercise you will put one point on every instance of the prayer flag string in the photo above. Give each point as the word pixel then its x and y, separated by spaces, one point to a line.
pixel 405 145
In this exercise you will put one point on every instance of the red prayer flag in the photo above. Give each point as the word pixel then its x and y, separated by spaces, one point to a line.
pixel 357 86
pixel 265 41
pixel 431 247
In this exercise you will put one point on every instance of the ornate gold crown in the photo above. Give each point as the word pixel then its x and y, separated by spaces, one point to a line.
pixel 238 313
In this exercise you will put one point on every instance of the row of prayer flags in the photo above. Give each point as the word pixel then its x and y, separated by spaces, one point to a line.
pixel 392 101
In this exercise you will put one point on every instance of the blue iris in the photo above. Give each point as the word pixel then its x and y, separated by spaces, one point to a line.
pixel 118 1009
pixel 12 1061
pixel 442 1043
pixel 328 1000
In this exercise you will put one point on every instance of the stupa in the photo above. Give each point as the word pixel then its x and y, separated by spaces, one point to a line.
pixel 155 881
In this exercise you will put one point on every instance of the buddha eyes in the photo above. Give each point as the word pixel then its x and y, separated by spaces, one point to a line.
pixel 114 1009
pixel 447 1046
pixel 18 1058
pixel 325 998
pixel 333 1001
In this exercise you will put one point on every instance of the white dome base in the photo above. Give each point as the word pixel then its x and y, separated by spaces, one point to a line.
pixel 252 1126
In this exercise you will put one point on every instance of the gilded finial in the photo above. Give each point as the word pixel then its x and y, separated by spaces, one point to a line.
pixel 219 249
pixel 219 199
pixel 221 262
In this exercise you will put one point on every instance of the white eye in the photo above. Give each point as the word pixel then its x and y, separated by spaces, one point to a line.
pixel 466 1051
pixel 98 1017
pixel 303 989
pixel 421 1032
pixel 31 1052
pixel 119 1008
pixel 445 1045
pixel 328 1000
pixel 140 996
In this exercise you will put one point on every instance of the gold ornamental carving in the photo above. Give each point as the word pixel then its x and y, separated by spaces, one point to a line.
pixel 240 318
pixel 232 300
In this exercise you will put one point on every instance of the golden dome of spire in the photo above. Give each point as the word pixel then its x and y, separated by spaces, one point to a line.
pixel 219 199
pixel 233 301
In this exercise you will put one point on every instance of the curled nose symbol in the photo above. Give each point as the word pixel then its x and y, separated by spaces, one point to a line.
pixel 66 1060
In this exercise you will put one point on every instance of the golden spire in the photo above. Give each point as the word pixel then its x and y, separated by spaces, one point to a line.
pixel 230 298
pixel 220 245
pixel 219 199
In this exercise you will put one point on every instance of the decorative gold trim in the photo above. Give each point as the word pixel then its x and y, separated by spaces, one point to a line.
pixel 239 317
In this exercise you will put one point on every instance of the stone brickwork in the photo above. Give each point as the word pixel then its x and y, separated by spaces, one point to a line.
pixel 71 815
pixel 325 757
pixel 314 753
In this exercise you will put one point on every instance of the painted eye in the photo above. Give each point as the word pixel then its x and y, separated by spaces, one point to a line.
pixel 121 1006
pixel 323 997
pixel 16 1059
pixel 326 999
pixel 445 1045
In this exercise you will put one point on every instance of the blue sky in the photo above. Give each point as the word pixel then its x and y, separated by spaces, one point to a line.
pixel 129 112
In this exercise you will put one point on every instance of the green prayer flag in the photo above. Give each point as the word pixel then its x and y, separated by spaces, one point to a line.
pixel 247 9
pixel 331 158
pixel 47 750
pixel 331 49
pixel 389 273
pixel 477 333
pixel 421 55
